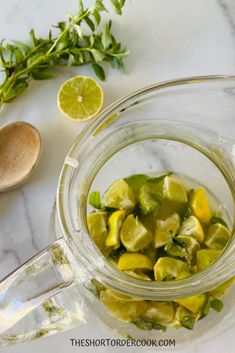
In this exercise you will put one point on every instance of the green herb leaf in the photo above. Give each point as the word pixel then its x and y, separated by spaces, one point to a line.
pixel 218 220
pixel 216 304
pixel 95 200
pixel 135 181
pixel 188 322
pixel 106 36
pixel 43 74
pixel 145 323
pixel 99 71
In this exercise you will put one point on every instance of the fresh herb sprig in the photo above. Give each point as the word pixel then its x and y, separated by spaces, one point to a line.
pixel 78 43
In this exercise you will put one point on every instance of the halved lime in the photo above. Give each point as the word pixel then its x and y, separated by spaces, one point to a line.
pixel 217 237
pixel 161 312
pixel 119 195
pixel 80 98
pixel 200 205
pixel 192 226
pixel 186 246
pixel 174 190
pixel 115 222
pixel 124 310
pixel 134 235
pixel 96 223
pixel 165 230
pixel 134 261
pixel 168 268
pixel 206 257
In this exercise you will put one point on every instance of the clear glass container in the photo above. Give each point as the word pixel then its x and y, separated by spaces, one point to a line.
pixel 176 125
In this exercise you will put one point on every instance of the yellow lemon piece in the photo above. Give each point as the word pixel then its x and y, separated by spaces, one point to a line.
pixel 174 190
pixel 168 268
pixel 96 223
pixel 140 275
pixel 192 226
pixel 161 312
pixel 219 291
pixel 134 235
pixel 200 205
pixel 184 274
pixel 134 261
pixel 194 303
pixel 122 309
pixel 165 230
pixel 119 195
pixel 80 98
pixel 217 237
pixel 115 222
pixel 206 257
pixel 180 314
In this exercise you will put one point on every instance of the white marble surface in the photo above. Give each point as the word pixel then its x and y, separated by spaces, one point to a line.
pixel 167 39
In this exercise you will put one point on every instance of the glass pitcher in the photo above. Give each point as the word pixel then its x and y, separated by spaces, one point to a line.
pixel 166 126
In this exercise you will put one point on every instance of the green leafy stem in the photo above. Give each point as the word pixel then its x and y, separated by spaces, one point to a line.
pixel 78 43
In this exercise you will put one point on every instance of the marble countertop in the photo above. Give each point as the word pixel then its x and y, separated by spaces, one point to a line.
pixel 167 39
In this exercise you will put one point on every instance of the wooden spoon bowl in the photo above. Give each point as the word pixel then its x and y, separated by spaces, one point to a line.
pixel 20 149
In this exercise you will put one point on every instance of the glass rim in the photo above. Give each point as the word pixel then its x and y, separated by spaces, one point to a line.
pixel 105 271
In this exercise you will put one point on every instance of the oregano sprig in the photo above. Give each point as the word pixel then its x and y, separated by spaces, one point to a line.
pixel 79 42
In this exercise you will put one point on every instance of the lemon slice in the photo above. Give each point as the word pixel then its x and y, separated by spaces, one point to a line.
pixel 174 190
pixel 192 226
pixel 206 257
pixel 194 303
pixel 96 223
pixel 115 222
pixel 219 291
pixel 134 235
pixel 165 230
pixel 217 237
pixel 139 275
pixel 200 205
pixel 168 268
pixel 80 98
pixel 120 195
pixel 134 261
pixel 162 312
pixel 123 310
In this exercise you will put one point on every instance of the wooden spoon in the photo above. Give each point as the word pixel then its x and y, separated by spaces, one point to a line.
pixel 20 149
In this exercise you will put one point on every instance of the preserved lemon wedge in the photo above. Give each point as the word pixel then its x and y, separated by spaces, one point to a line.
pixel 194 303
pixel 168 268
pixel 115 222
pixel 120 195
pixel 165 230
pixel 122 309
pixel 133 261
pixel 174 190
pixel 200 205
pixel 206 257
pixel 162 312
pixel 134 235
pixel 219 291
pixel 192 226
pixel 96 223
pixel 217 237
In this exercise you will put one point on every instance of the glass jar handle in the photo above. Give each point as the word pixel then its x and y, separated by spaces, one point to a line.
pixel 40 278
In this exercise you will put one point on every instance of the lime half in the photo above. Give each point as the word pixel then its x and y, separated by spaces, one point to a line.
pixel 192 226
pixel 120 195
pixel 174 190
pixel 217 237
pixel 134 235
pixel 134 261
pixel 165 230
pixel 168 268
pixel 96 223
pixel 80 98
